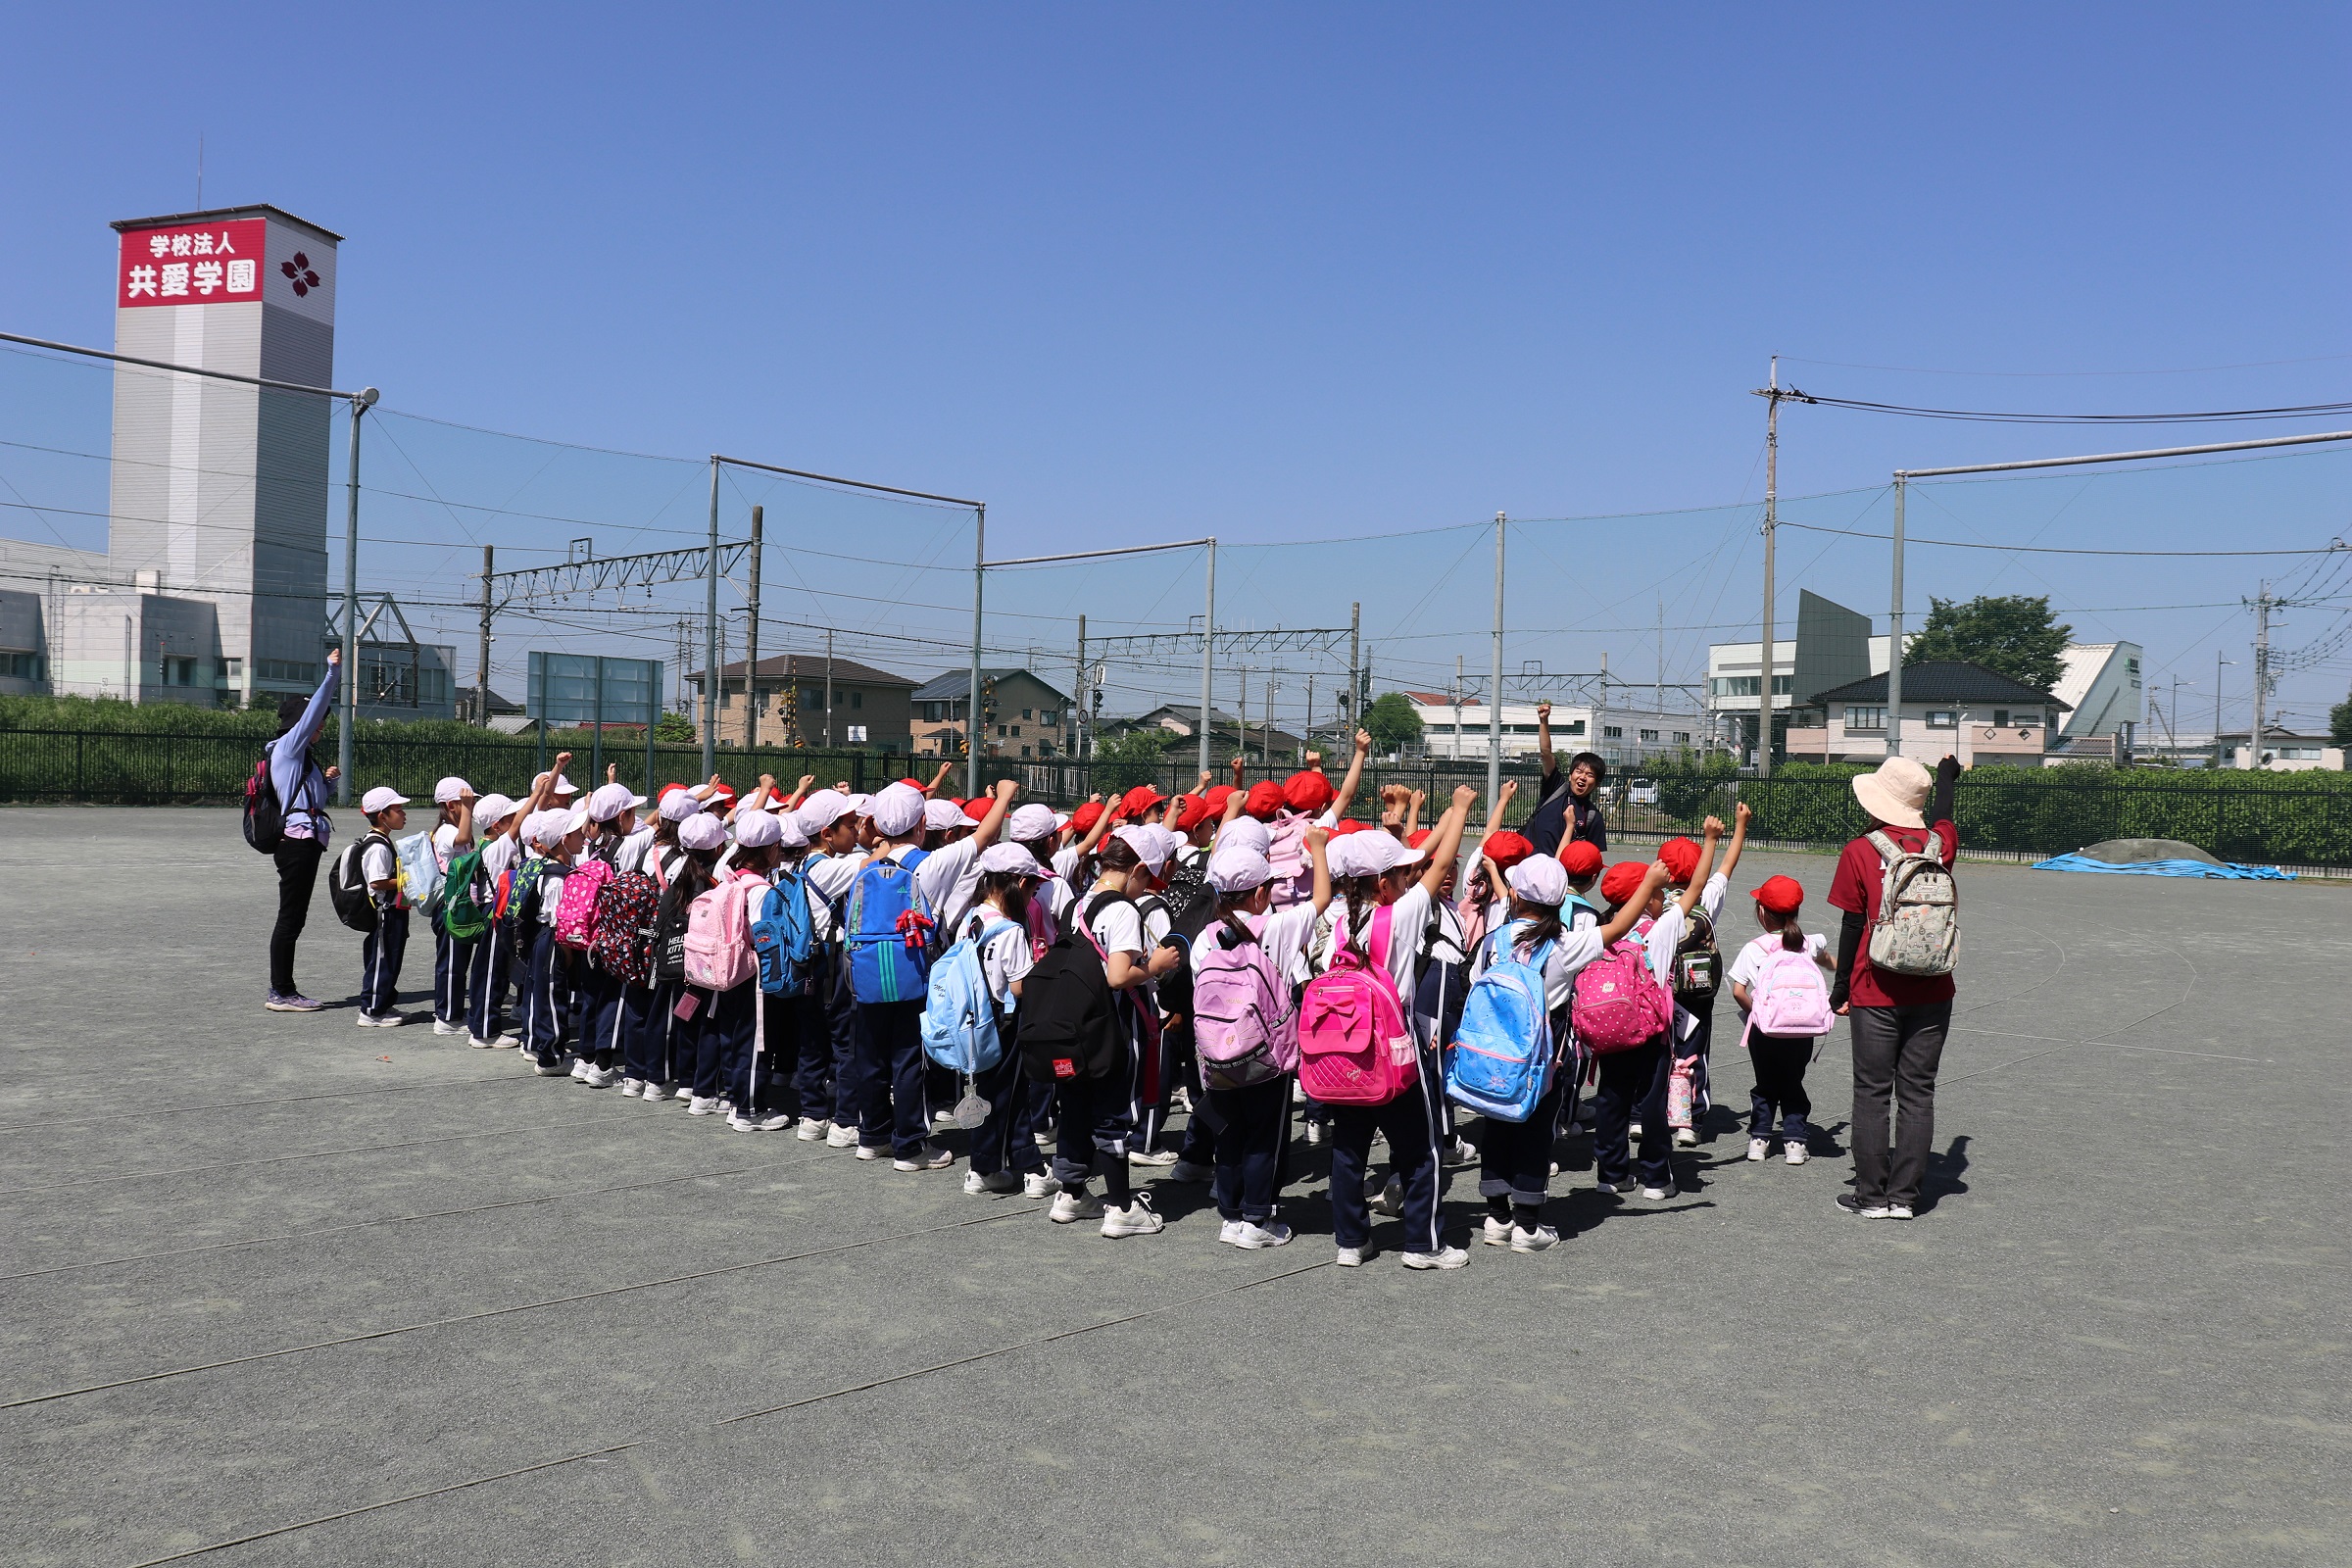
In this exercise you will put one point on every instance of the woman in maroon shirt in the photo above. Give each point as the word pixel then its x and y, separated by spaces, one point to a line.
pixel 1897 1021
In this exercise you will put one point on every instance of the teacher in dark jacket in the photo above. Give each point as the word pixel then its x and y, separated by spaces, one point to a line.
pixel 301 785
pixel 1568 810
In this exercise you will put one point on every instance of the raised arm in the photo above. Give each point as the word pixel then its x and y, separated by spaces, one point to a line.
pixel 937 779
pixel 1446 842
pixel 994 822
pixel 1628 914
pixel 1706 858
pixel 1316 837
pixel 1544 737
pixel 1355 772
pixel 1741 814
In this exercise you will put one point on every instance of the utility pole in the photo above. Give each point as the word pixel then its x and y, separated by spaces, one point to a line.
pixel 828 688
pixel 751 647
pixel 2218 663
pixel 1242 720
pixel 1307 739
pixel 1494 688
pixel 711 637
pixel 2262 672
pixel 481 689
pixel 1773 394
pixel 1078 714
pixel 1894 632
pixel 972 737
pixel 1266 736
pixel 1457 708
pixel 1208 651
pixel 1658 695
pixel 351 608
pixel 1349 719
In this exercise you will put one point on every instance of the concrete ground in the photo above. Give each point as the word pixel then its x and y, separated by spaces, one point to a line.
pixel 278 1290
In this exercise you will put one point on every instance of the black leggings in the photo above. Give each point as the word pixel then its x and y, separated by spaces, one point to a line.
pixel 296 874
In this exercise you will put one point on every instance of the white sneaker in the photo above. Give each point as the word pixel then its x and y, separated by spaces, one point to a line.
pixel 1068 1209
pixel 1495 1232
pixel 1685 1138
pixel 1314 1134
pixel 445 1029
pixel 551 1070
pixel 1543 1239
pixel 1660 1194
pixel 1152 1157
pixel 1185 1170
pixel 381 1020
pixel 1443 1258
pixel 657 1093
pixel 726 1103
pixel 741 1123
pixel 943 1118
pixel 1229 1232
pixel 1899 1212
pixel 1798 1154
pixel 1136 1219
pixel 1350 1258
pixel 632 1086
pixel 479 1043
pixel 930 1158
pixel 601 1077
pixel 698 1107
pixel 775 1123
pixel 810 1128
pixel 1391 1198
pixel 509 1037
pixel 840 1137
pixel 872 1150
pixel 1612 1189
pixel 1255 1237
pixel 996 1181
pixel 1760 1148
pixel 579 1066
pixel 1038 1184
pixel 1461 1151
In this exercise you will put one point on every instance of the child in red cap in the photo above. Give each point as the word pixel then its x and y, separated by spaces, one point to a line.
pixel 1788 966
pixel 1698 973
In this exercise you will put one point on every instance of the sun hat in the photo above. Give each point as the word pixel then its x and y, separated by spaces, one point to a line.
pixel 381 797
pixel 1539 879
pixel 898 811
pixel 703 832
pixel 1679 858
pixel 1151 843
pixel 1029 823
pixel 608 801
pixel 1895 793
pixel 1139 800
pixel 758 830
pixel 940 815
pixel 1085 816
pixel 679 805
pixel 1781 894
pixel 975 809
pixel 1237 868
pixel 1001 857
pixel 451 790
pixel 822 809
pixel 1249 832
pixel 1195 813
pixel 492 809
pixel 1264 800
pixel 1506 849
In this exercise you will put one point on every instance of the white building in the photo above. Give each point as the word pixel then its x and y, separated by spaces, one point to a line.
pixel 1831 647
pixel 2101 684
pixel 1619 734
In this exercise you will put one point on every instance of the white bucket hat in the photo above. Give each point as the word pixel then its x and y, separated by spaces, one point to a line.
pixel 1895 793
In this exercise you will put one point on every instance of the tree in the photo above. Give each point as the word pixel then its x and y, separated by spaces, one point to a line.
pixel 2014 635
pixel 1122 762
pixel 2339 723
pixel 674 728
pixel 1392 721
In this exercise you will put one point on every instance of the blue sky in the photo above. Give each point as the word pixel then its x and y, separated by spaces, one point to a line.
pixel 1286 272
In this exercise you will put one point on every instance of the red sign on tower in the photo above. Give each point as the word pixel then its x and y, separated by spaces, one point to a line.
pixel 200 264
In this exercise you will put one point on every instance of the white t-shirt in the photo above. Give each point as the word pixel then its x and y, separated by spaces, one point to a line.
pixel 1571 950
pixel 1284 935
pixel 445 845
pixel 1003 958
pixel 497 856
pixel 550 889
pixel 1750 961
pixel 950 880
pixel 1409 924
pixel 634 849
pixel 1118 926
pixel 378 863
pixel 828 877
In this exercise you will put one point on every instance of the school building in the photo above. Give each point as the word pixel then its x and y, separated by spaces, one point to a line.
pixel 1621 736
pixel 811 700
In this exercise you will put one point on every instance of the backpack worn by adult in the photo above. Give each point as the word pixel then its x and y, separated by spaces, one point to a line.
pixel 1697 964
pixel 784 937
pixel 1500 1062
pixel 1070 1025
pixel 576 906
pixel 1917 928
pixel 719 934
pixel 1245 1028
pixel 347 884
pixel 1355 1046
pixel 623 944
pixel 466 896
pixel 891 931
pixel 264 812
pixel 1789 998
pixel 421 876
pixel 1619 1004
pixel 960 1013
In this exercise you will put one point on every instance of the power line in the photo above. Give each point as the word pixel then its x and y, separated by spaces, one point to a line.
pixel 2063 550
pixel 2301 411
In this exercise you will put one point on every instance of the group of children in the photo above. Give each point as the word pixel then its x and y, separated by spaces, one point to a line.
pixel 866 970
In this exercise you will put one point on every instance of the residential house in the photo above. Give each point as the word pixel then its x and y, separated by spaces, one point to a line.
pixel 1950 707
pixel 2283 751
pixel 1181 720
pixel 1020 715
pixel 811 699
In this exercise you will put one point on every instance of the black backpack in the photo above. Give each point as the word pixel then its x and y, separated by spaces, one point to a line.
pixel 1069 1024
pixel 347 884
pixel 1697 963
pixel 669 925
pixel 265 813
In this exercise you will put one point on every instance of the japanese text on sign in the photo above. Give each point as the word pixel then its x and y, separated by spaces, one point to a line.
pixel 197 265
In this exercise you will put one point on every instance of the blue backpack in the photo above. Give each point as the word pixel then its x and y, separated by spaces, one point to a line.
pixel 891 933
pixel 1501 1056
pixel 959 1014
pixel 783 936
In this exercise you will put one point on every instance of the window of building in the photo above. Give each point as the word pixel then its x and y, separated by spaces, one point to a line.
pixel 1048 719
pixel 1865 719
pixel 232 668
pixel 289 670
pixel 856 698
pixel 813 698
pixel 1017 735
pixel 1001 733
pixel 1025 713
pixel 179 672
pixel 1024 750
pixel 1612 732
pixel 2000 718
pixel 1649 735
pixel 1682 737
pixel 726 697
pixel 20 666
pixel 1749 685
pixel 1942 718
pixel 1575 726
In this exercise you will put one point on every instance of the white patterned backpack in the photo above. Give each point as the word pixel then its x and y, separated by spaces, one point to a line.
pixel 1917 928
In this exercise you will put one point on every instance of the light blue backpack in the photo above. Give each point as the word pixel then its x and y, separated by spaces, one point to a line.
pixel 1501 1057
pixel 959 1015
pixel 421 880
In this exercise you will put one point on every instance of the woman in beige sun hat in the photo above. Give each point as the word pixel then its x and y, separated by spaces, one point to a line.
pixel 1898 1021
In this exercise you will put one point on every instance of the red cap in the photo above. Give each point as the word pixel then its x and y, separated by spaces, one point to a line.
pixel 1679 858
pixel 976 808
pixel 1623 880
pixel 1196 812
pixel 913 783
pixel 1347 825
pixel 666 792
pixel 1415 838
pixel 1139 800
pixel 1218 797
pixel 1580 859
pixel 1309 792
pixel 1264 800
pixel 1085 816
pixel 1781 894
pixel 1506 849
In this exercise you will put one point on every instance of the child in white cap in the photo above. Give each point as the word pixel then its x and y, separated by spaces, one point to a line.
pixel 386 812
pixel 493 822
pixel 1004 1154
pixel 546 986
pixel 949 876
pixel 724 1023
pixel 599 994
pixel 761 1073
pixel 453 960
pixel 891 931
pixel 830 822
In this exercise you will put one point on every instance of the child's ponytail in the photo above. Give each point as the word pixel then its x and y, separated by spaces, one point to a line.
pixel 1793 939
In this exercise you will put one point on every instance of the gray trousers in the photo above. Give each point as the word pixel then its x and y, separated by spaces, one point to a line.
pixel 1897 1052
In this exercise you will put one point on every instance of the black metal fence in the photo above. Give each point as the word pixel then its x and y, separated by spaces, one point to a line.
pixel 2264 818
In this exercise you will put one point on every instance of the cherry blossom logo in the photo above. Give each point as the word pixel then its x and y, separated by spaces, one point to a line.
pixel 298 271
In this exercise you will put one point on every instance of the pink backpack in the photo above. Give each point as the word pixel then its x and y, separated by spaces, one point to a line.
pixel 1355 1048
pixel 1789 998
pixel 575 910
pixel 1245 1030
pixel 1619 1004
pixel 1293 879
pixel 1044 929
pixel 719 934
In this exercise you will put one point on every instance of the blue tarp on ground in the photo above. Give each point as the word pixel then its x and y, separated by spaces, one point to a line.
pixel 2245 873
